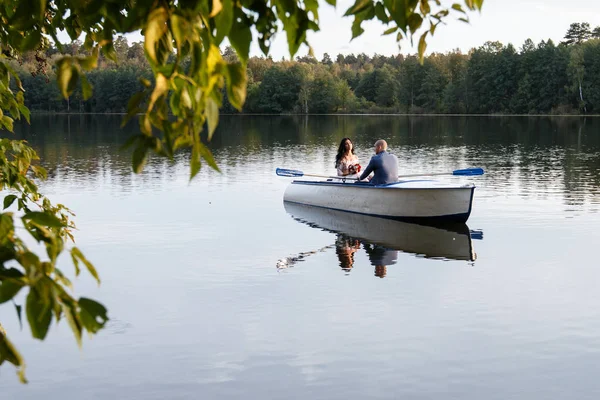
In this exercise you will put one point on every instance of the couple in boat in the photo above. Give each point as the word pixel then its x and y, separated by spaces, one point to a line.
pixel 383 165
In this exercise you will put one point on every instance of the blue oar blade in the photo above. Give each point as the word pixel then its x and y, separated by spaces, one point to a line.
pixel 468 171
pixel 288 172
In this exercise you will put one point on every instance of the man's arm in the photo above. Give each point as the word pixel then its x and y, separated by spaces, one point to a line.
pixel 370 168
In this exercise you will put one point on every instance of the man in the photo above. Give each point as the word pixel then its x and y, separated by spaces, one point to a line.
pixel 383 164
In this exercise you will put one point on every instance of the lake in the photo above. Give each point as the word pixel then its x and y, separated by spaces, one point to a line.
pixel 216 291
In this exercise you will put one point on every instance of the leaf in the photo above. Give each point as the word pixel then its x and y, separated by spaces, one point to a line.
pixel 86 87
pixel 414 22
pixel 8 200
pixel 216 8
pixel 223 21
pixel 7 122
pixel 212 116
pixel 424 6
pixel 356 29
pixel 93 315
pixel 156 27
pixel 390 31
pixel 31 41
pixel 9 353
pixel 44 218
pixel 195 163
pixel 381 14
pixel 207 155
pixel 458 7
pixel 422 46
pixel 39 313
pixel 332 2
pixel 19 310
pixel 138 159
pixel 90 62
pixel 236 85
pixel 160 88
pixel 25 112
pixel 67 76
pixel 181 29
pixel 9 289
pixel 240 36
pixel 71 315
pixel 359 6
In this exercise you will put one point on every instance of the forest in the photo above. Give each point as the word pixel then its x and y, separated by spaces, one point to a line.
pixel 542 78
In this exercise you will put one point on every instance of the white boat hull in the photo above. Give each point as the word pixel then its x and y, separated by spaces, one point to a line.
pixel 417 200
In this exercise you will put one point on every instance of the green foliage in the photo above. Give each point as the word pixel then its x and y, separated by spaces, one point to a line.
pixel 21 268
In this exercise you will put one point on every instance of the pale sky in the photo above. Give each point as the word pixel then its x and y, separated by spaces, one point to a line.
pixel 507 21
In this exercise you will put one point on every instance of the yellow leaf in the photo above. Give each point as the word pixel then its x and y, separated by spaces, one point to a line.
pixel 161 87
pixel 155 29
pixel 216 8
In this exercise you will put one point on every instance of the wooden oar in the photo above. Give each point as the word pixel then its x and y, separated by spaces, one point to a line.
pixel 460 172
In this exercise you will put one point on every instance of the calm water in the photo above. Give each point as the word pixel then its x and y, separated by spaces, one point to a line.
pixel 217 291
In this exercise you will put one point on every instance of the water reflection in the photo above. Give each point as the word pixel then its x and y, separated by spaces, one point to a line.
pixel 345 247
pixel 382 239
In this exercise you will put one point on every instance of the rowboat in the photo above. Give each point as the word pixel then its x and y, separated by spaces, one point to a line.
pixel 422 201
pixel 444 241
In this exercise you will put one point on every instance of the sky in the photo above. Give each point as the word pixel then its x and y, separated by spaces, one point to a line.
pixel 507 21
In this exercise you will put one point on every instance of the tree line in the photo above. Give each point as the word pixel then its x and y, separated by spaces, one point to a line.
pixel 492 79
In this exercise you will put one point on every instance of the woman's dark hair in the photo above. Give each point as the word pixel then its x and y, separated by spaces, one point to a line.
pixel 342 151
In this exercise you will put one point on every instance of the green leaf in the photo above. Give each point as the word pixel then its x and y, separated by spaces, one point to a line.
pixel 89 266
pixel 9 353
pixel 39 313
pixel 424 5
pixel 236 85
pixel 359 6
pixel 67 76
pixel 9 289
pixel 44 218
pixel 332 2
pixel 458 7
pixel 89 63
pixel 86 87
pixel 207 155
pixel 390 31
pixel 73 320
pixel 32 40
pixel 240 36
pixel 414 22
pixel 381 14
pixel 181 29
pixel 224 20
pixel 156 27
pixel 93 314
pixel 25 112
pixel 19 311
pixel 7 122
pixel 356 29
pixel 422 46
pixel 195 163
pixel 212 116
pixel 139 157
pixel 8 200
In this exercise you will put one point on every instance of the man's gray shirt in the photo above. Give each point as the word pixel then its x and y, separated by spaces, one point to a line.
pixel 385 167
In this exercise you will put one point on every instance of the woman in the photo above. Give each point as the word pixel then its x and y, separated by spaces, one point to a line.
pixel 346 162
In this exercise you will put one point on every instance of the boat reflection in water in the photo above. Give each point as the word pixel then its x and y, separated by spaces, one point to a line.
pixel 383 238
